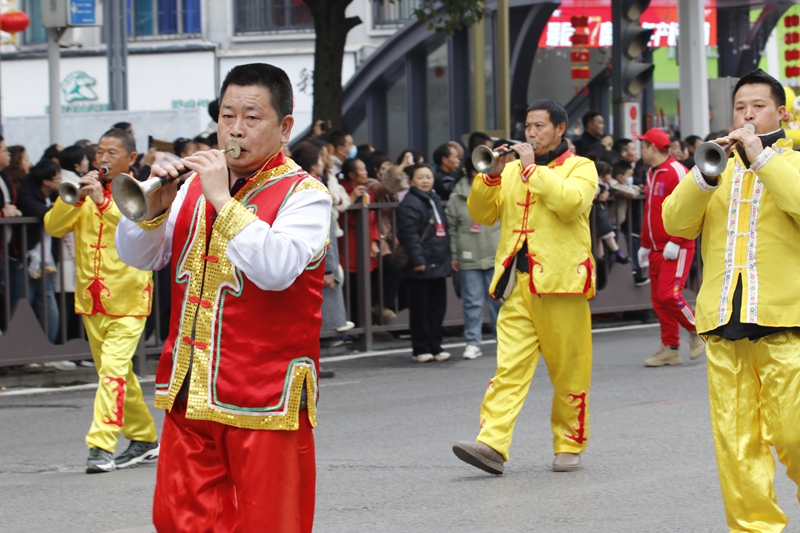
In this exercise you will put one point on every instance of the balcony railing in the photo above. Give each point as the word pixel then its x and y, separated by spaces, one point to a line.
pixel 389 14
pixel 271 16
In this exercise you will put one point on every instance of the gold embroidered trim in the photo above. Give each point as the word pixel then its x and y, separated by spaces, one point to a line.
pixel 232 219
pixel 311 184
pixel 150 225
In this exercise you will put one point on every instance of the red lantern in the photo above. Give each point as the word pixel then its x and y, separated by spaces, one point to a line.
pixel 14 21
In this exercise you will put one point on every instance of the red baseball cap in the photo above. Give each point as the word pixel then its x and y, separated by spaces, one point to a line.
pixel 656 137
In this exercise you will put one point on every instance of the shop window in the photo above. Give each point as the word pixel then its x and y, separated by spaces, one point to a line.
pixel 388 14
pixel 269 16
pixel 158 18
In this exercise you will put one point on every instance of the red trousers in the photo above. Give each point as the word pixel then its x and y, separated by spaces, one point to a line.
pixel 214 478
pixel 667 280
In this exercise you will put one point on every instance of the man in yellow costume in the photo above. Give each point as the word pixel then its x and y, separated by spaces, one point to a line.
pixel 544 272
pixel 114 300
pixel 748 306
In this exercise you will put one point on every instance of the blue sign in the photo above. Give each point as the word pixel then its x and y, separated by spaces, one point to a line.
pixel 82 13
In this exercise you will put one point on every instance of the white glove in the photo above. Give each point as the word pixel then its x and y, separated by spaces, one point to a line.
pixel 644 257
pixel 671 251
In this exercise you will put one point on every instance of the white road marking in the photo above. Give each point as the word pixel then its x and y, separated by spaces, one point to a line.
pixel 322 360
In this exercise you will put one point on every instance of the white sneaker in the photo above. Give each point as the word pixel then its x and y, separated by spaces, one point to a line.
pixel 442 356
pixel 422 358
pixel 35 368
pixel 347 326
pixel 61 365
pixel 472 351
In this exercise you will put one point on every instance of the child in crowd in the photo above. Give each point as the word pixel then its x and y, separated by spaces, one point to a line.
pixel 604 227
pixel 622 189
pixel 422 231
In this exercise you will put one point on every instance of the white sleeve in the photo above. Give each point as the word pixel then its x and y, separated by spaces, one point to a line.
pixel 149 249
pixel 273 256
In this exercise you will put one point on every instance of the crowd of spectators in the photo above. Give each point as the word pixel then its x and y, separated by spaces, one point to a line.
pixel 412 250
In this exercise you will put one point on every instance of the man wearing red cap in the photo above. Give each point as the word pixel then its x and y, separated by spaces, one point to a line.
pixel 668 257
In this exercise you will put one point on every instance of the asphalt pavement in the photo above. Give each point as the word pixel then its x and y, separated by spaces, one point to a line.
pixel 384 459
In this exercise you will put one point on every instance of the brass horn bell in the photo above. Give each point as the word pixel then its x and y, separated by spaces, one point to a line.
pixel 131 195
pixel 484 158
pixel 711 158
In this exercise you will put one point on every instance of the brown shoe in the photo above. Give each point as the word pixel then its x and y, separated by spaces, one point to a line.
pixel 697 346
pixel 665 356
pixel 480 456
pixel 566 462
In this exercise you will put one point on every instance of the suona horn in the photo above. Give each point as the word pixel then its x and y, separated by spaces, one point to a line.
pixel 70 191
pixel 711 158
pixel 484 158
pixel 131 195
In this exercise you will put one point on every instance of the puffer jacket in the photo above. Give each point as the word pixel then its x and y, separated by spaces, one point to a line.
pixel 416 231
pixel 473 248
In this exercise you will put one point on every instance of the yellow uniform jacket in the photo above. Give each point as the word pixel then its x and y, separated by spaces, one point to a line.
pixel 750 227
pixel 104 284
pixel 548 208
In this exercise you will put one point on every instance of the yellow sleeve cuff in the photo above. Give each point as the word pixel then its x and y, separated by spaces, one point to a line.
pixel 150 225
pixel 233 218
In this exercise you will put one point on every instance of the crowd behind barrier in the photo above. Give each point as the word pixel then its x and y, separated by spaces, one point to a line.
pixel 373 288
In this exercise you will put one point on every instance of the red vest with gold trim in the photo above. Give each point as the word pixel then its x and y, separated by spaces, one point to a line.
pixel 251 351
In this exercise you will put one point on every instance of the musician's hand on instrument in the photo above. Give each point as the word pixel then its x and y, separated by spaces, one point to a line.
pixel 91 187
pixel 214 180
pixel 750 142
pixel 160 200
pixel 525 151
pixel 500 164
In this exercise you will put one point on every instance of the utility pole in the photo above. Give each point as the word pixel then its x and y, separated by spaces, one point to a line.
pixel 54 75
pixel 116 53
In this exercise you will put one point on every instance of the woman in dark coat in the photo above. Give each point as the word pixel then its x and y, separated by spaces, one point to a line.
pixel 422 231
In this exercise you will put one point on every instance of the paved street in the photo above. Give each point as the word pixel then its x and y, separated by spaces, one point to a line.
pixel 384 458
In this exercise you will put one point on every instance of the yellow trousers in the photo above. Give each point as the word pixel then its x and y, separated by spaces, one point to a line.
pixel 755 404
pixel 118 405
pixel 560 327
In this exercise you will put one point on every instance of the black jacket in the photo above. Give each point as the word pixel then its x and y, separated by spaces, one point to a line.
pixel 443 184
pixel 584 143
pixel 32 203
pixel 416 231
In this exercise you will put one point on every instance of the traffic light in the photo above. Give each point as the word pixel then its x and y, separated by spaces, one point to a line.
pixel 630 73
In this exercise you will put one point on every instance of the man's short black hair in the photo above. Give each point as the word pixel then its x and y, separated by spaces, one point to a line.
pixel 213 109
pixel 70 157
pixel 691 140
pixel 123 126
pixel 43 170
pixel 620 168
pixel 267 76
pixel 125 138
pixel 620 145
pixel 558 115
pixel 589 116
pixel 476 139
pixel 50 153
pixel 441 152
pixel 338 138
pixel 759 76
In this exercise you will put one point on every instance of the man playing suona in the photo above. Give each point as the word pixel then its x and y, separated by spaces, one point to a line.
pixel 238 376
pixel 544 271
pixel 114 300
pixel 748 306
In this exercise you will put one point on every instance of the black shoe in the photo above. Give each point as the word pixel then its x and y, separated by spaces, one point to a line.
pixel 640 280
pixel 100 461
pixel 138 452
pixel 621 258
pixel 326 373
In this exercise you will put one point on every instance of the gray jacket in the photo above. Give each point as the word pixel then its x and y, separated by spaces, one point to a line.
pixel 474 251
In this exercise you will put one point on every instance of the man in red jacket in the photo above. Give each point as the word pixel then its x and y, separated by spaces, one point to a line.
pixel 668 257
